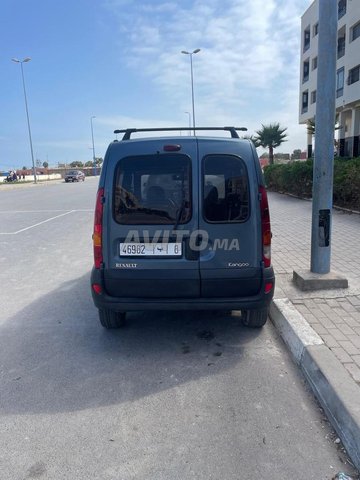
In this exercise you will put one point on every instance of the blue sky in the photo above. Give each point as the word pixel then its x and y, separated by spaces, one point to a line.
pixel 120 60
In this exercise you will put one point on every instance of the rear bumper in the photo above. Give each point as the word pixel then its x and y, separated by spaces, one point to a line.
pixel 260 300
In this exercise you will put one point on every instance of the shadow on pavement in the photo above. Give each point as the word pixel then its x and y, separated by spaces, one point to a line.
pixel 56 357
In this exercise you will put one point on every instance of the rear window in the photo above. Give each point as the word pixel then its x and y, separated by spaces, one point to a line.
pixel 225 189
pixel 153 190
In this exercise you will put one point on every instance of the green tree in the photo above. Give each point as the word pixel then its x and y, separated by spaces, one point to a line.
pixel 76 164
pixel 270 136
pixel 249 137
pixel 45 164
pixel 24 168
pixel 310 126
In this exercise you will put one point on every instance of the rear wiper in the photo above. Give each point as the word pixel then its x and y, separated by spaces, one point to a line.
pixel 183 201
pixel 180 213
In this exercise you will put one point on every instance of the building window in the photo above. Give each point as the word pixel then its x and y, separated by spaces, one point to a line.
pixel 355 32
pixel 340 82
pixel 341 47
pixel 314 63
pixel 341 8
pixel 306 68
pixel 305 101
pixel 313 97
pixel 306 39
pixel 315 29
pixel 354 75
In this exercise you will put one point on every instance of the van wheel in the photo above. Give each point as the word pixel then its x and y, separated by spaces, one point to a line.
pixel 111 319
pixel 254 318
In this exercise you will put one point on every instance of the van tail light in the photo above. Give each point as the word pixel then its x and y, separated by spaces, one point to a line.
pixel 97 288
pixel 265 226
pixel 97 234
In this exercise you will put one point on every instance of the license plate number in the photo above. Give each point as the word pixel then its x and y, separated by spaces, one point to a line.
pixel 133 249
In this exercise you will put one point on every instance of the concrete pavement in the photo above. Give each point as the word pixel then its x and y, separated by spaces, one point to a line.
pixel 321 328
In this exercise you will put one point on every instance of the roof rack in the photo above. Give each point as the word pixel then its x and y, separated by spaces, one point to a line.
pixel 128 131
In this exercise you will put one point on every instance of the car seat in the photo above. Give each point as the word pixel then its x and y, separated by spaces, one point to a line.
pixel 156 195
pixel 211 195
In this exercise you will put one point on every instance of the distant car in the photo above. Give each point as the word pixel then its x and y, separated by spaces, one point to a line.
pixel 75 176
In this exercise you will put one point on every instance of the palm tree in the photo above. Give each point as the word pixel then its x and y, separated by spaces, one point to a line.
pixel 270 136
pixel 310 126
pixel 250 137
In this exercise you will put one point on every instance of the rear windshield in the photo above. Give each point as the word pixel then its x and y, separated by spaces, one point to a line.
pixel 153 189
pixel 226 189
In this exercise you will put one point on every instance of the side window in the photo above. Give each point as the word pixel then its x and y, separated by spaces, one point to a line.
pixel 340 82
pixel 153 190
pixel 225 189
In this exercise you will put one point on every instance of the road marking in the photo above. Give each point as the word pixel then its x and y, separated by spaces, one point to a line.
pixel 45 211
pixel 44 221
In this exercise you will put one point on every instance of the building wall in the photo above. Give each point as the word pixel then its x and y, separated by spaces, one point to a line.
pixel 348 58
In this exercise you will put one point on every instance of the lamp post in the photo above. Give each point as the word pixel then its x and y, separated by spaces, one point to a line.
pixel 192 81
pixel 27 59
pixel 93 145
pixel 189 122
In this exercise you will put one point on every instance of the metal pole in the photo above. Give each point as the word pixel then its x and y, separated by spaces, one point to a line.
pixel 324 138
pixel 189 122
pixel 192 92
pixel 28 121
pixel 197 50
pixel 93 145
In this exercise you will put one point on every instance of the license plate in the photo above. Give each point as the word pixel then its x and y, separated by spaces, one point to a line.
pixel 135 249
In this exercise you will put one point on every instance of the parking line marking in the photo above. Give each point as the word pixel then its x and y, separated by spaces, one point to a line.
pixel 40 223
pixel 46 211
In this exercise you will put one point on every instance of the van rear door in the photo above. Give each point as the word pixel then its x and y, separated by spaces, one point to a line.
pixel 149 192
pixel 230 256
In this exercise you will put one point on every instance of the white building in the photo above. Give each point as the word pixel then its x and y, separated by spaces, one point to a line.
pixel 347 73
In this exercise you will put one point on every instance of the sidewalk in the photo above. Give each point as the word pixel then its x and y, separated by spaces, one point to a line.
pixel 321 328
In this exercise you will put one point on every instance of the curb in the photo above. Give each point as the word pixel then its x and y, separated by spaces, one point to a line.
pixel 335 390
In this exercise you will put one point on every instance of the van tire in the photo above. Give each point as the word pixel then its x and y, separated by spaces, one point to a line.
pixel 110 319
pixel 254 318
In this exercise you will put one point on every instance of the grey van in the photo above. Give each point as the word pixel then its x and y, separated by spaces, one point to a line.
pixel 182 222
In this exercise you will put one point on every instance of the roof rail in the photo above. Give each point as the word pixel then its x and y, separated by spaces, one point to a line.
pixel 128 131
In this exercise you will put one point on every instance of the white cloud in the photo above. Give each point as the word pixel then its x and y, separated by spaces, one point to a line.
pixel 247 71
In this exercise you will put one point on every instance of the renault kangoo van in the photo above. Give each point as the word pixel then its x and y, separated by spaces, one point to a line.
pixel 182 222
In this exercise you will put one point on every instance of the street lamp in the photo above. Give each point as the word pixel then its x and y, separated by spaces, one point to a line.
pixel 192 81
pixel 189 122
pixel 93 145
pixel 27 59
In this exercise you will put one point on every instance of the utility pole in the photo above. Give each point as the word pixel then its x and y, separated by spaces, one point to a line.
pixel 319 276
pixel 192 82
pixel 27 59
pixel 93 144
pixel 324 138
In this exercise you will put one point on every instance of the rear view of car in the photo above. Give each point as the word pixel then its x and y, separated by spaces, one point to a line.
pixel 182 223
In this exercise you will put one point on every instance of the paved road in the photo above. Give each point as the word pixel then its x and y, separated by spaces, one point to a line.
pixel 172 396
